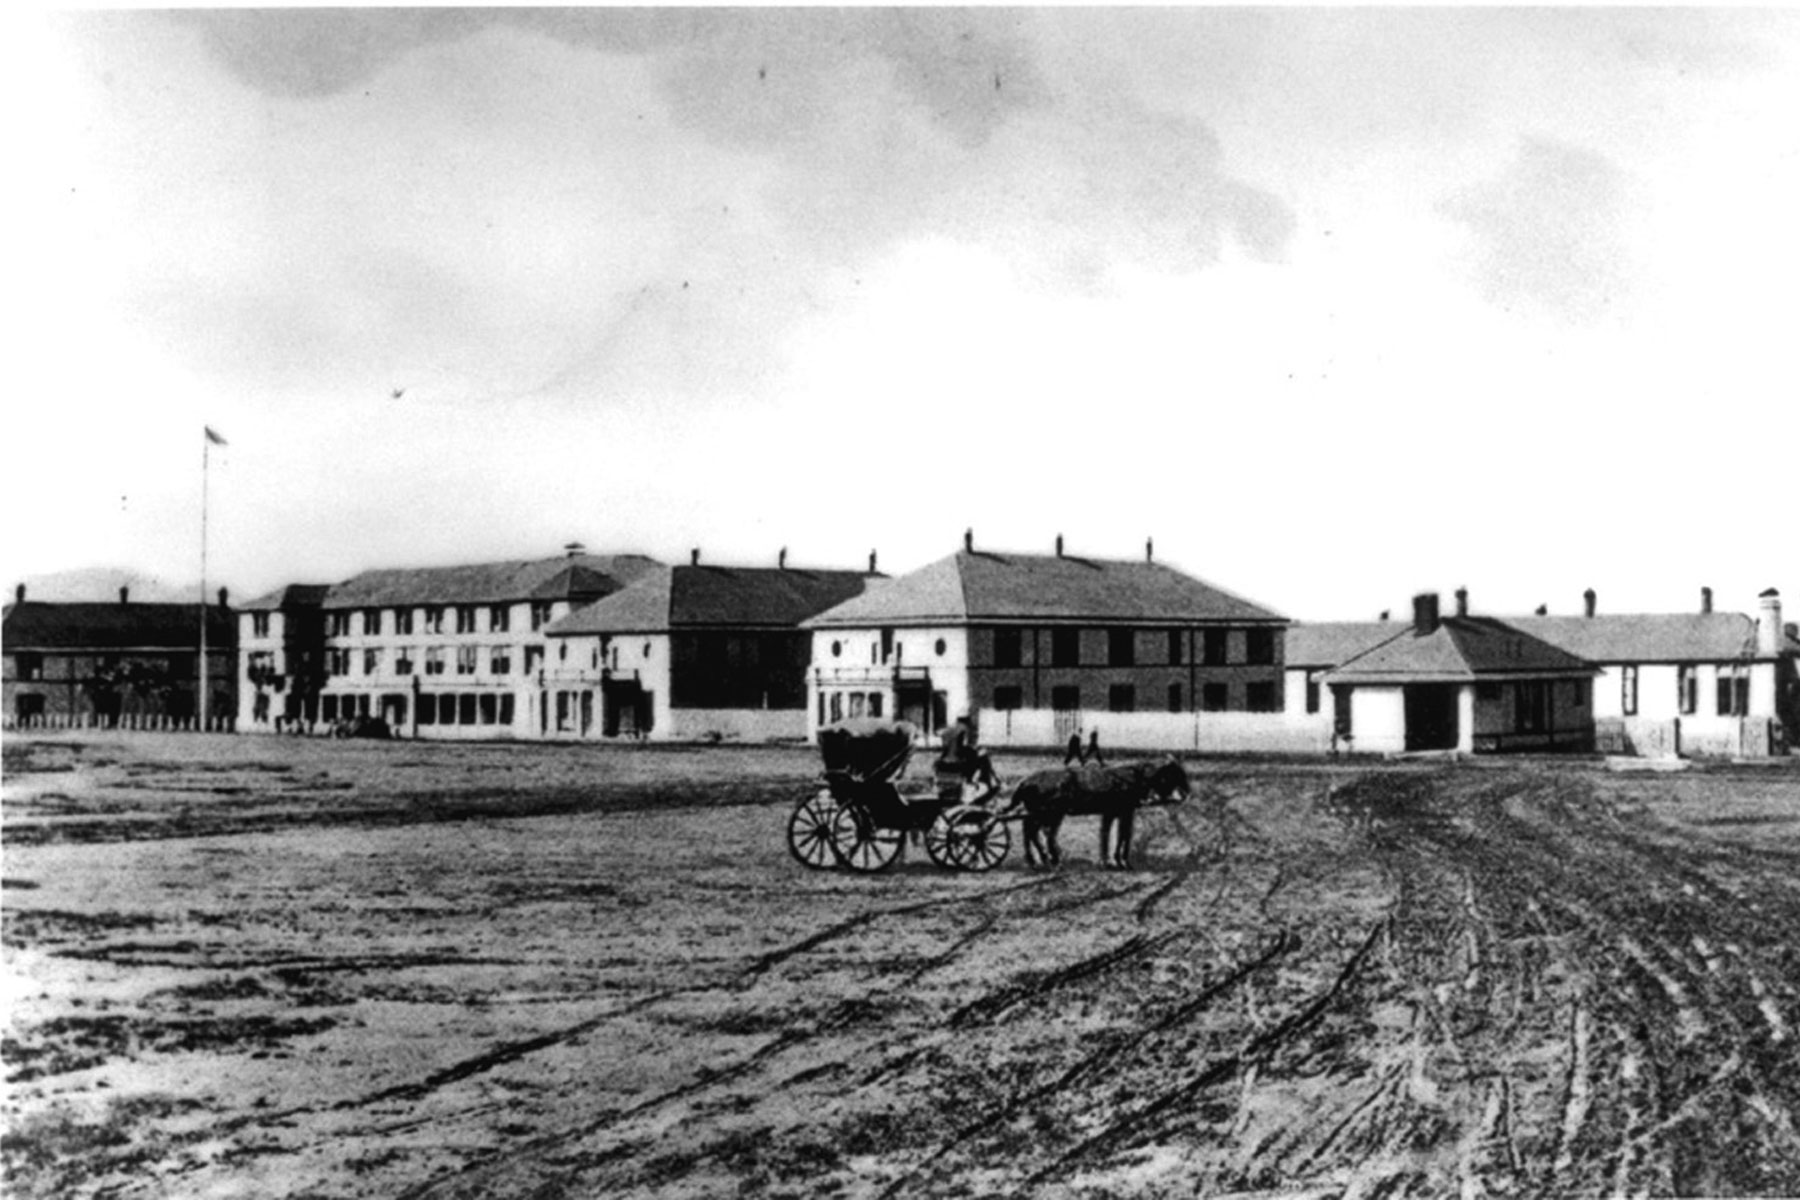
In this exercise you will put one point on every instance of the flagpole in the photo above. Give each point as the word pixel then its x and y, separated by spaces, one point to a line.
pixel 205 465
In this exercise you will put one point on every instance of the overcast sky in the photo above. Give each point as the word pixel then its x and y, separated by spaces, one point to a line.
pixel 1335 304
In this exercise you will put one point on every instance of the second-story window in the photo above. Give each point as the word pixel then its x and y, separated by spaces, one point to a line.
pixel 1009 648
pixel 500 663
pixel 465 660
pixel 540 615
pixel 1065 647
pixel 499 618
pixel 434 620
pixel 259 624
pixel 337 624
pixel 403 621
pixel 1212 648
pixel 372 623
pixel 534 658
pixel 1121 651
pixel 337 661
pixel 403 661
pixel 371 661
pixel 1259 648
pixel 465 618
pixel 434 660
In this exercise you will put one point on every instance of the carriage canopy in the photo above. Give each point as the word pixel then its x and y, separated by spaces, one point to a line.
pixel 867 748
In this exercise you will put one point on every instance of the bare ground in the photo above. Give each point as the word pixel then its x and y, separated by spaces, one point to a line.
pixel 259 967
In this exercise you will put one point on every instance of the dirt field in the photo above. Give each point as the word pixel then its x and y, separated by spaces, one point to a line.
pixel 275 967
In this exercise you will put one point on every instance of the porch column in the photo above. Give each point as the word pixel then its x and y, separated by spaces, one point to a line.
pixel 1465 719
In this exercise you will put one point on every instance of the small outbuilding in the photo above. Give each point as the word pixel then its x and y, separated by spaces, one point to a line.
pixel 1472 684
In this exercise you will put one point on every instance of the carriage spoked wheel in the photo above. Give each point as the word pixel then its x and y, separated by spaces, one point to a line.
pixel 809 832
pixel 860 844
pixel 972 839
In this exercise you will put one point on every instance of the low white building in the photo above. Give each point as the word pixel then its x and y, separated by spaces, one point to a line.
pixel 1698 683
pixel 439 652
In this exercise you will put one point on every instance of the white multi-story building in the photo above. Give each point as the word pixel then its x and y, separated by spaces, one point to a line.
pixel 442 652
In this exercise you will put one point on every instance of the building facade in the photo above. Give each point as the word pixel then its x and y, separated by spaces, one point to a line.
pixel 446 652
pixel 118 664
pixel 694 652
pixel 1045 645
pixel 1462 683
pixel 1697 683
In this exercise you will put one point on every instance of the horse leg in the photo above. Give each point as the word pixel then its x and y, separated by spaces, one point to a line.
pixel 1122 845
pixel 1054 827
pixel 1106 828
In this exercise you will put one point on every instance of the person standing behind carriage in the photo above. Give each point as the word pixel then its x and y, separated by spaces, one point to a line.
pixel 960 754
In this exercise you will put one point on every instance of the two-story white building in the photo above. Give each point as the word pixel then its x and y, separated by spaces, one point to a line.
pixel 693 652
pixel 437 652
pixel 1038 647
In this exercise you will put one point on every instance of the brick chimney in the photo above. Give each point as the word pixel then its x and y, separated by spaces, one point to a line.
pixel 694 557
pixel 1059 545
pixel 224 597
pixel 1542 610
pixel 781 559
pixel 871 562
pixel 1149 549
pixel 19 594
pixel 1705 599
pixel 1589 602
pixel 1425 613
pixel 1768 625
pixel 1462 602
pixel 969 540
pixel 124 595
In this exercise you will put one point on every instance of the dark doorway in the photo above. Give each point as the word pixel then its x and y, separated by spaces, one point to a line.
pixel 1431 722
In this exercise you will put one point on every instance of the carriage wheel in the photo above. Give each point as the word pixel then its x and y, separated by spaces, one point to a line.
pixel 809 832
pixel 940 840
pixel 860 844
pixel 979 841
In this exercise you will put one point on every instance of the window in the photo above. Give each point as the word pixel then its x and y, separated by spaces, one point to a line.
pixel 337 661
pixel 837 706
pixel 506 708
pixel 1174 647
pixel 434 660
pixel 837 649
pixel 540 614
pixel 1577 693
pixel 875 699
pixel 259 624
pixel 465 660
pixel 446 706
pixel 858 702
pixel 403 621
pixel 1259 646
pixel 261 666
pixel 534 658
pixel 1174 697
pixel 1121 650
pixel 490 708
pixel 1212 648
pixel 1214 697
pixel 1687 689
pixel 1121 698
pixel 1260 695
pixel 1734 692
pixel 427 710
pixel 1009 648
pixel 31 666
pixel 1065 647
pixel 403 660
pixel 1628 685
pixel 1066 698
pixel 1312 693
pixel 337 624
pixel 465 618
pixel 499 619
pixel 887 645
pixel 940 646
pixel 500 662
pixel 465 708
pixel 371 661
pixel 1008 698
pixel 1531 706
pixel 371 622
pixel 434 620
pixel 328 708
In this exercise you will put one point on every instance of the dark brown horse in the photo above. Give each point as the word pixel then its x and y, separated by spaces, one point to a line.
pixel 1112 793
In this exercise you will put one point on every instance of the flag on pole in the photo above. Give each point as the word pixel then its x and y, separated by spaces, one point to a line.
pixel 214 438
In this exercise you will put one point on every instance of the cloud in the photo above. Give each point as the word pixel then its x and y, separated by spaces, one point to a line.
pixel 1545 231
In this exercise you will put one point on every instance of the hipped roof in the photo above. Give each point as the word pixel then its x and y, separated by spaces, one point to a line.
pixel 976 586
pixel 567 577
pixel 1650 637
pixel 702 596
pixel 1458 650
pixel 40 625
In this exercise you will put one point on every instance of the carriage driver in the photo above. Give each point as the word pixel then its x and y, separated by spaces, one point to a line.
pixel 960 755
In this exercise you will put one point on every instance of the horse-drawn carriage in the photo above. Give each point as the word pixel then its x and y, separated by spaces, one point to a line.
pixel 860 818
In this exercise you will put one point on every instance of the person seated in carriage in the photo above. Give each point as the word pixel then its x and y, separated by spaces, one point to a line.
pixel 961 761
